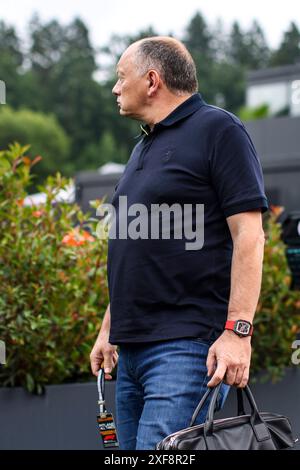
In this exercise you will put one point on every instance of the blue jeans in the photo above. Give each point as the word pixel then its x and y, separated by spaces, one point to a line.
pixel 158 387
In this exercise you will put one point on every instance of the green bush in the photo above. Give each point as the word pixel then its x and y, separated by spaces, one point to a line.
pixel 251 114
pixel 45 135
pixel 277 320
pixel 53 289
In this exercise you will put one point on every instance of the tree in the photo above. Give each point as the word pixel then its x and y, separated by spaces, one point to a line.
pixel 107 149
pixel 11 59
pixel 64 59
pixel 47 44
pixel 289 49
pixel 198 40
pixel 258 47
pixel 219 41
pixel 229 85
pixel 47 48
pixel 248 49
pixel 43 133
pixel 236 54
pixel 237 49
pixel 78 96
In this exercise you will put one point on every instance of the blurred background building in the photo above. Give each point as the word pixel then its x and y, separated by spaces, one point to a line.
pixel 277 137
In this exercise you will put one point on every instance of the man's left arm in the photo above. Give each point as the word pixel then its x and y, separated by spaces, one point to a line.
pixel 230 355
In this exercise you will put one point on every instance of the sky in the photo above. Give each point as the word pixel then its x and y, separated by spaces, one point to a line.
pixel 107 17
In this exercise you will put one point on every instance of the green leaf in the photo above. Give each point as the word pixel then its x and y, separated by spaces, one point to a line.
pixel 4 166
pixel 29 382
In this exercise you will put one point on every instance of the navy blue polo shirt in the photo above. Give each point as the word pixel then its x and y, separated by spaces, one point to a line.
pixel 159 290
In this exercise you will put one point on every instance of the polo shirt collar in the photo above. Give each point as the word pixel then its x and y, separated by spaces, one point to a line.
pixel 185 109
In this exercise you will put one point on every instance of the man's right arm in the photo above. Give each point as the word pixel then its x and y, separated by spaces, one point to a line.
pixel 103 351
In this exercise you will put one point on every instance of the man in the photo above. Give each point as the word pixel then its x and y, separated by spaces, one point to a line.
pixel 173 312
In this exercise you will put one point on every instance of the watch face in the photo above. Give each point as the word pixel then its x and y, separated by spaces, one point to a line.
pixel 242 327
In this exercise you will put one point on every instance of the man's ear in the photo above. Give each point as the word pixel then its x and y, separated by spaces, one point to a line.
pixel 153 82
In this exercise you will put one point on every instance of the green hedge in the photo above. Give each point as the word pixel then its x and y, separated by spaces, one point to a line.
pixel 277 320
pixel 53 289
pixel 45 135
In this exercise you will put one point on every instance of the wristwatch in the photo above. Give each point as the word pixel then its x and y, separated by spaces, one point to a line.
pixel 239 327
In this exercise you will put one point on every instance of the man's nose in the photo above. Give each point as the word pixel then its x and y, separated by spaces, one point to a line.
pixel 116 89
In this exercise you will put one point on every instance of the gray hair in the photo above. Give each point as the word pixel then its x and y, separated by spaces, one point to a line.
pixel 172 61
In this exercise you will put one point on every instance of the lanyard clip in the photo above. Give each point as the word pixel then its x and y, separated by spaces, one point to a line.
pixel 101 384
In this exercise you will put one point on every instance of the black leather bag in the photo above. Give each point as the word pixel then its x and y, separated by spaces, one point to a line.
pixel 255 431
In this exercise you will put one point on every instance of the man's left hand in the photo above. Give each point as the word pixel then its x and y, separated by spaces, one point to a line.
pixel 229 360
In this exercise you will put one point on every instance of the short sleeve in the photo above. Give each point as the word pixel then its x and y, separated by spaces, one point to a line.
pixel 236 172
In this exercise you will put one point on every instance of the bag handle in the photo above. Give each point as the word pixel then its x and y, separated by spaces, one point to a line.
pixel 259 427
pixel 200 406
pixel 240 402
